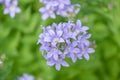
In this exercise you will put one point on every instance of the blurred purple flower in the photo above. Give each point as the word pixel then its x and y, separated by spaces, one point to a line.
pixel 11 7
pixel 61 4
pixel 47 12
pixel 65 40
pixel 26 77
pixel 58 7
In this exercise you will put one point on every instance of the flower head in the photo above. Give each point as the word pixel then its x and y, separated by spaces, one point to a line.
pixel 65 40
pixel 47 12
pixel 58 7
pixel 11 7
pixel 26 77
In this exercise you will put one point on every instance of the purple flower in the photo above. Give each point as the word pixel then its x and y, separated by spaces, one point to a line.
pixel 53 53
pixel 69 32
pixel 83 40
pixel 65 40
pixel 47 12
pixel 85 50
pixel 11 8
pixel 26 77
pixel 58 62
pixel 73 10
pixel 53 37
pixel 58 7
pixel 80 28
pixel 72 51
pixel 62 3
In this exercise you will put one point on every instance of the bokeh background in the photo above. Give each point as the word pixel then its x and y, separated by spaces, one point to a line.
pixel 20 53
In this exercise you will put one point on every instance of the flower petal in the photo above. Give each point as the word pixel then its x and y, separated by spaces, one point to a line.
pixel 47 39
pixel 73 57
pixel 45 16
pixel 12 14
pixel 58 66
pixel 59 33
pixel 50 63
pixel 86 56
pixel 51 32
pixel 6 11
pixel 61 40
pixel 55 56
pixel 90 50
pixel 65 64
pixel 49 55
pixel 84 28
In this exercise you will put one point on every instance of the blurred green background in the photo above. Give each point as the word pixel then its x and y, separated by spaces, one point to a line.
pixel 20 53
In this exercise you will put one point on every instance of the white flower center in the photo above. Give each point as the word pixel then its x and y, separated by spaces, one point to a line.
pixel 55 40
pixel 69 48
pixel 50 10
pixel 12 8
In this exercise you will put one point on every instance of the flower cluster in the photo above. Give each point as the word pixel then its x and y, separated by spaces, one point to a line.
pixel 26 77
pixel 58 7
pixel 11 7
pixel 65 40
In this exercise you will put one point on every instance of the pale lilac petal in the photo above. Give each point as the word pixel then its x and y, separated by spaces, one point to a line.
pixel 84 28
pixel 59 33
pixel 26 77
pixel 73 57
pixel 76 50
pixel 77 10
pixel 86 56
pixel 15 2
pixel 79 55
pixel 42 10
pixel 12 15
pixel 47 39
pixel 18 10
pixel 51 32
pixel 65 63
pixel 53 16
pixel 86 42
pixel 79 23
pixel 75 44
pixel 50 63
pixel 6 11
pixel 87 36
pixel 61 6
pixel 57 66
pixel 45 16
pixel 54 43
pixel 91 50
pixel 55 56
pixel 61 40
pixel 49 55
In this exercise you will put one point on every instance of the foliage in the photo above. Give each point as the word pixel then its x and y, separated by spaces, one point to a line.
pixel 18 41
